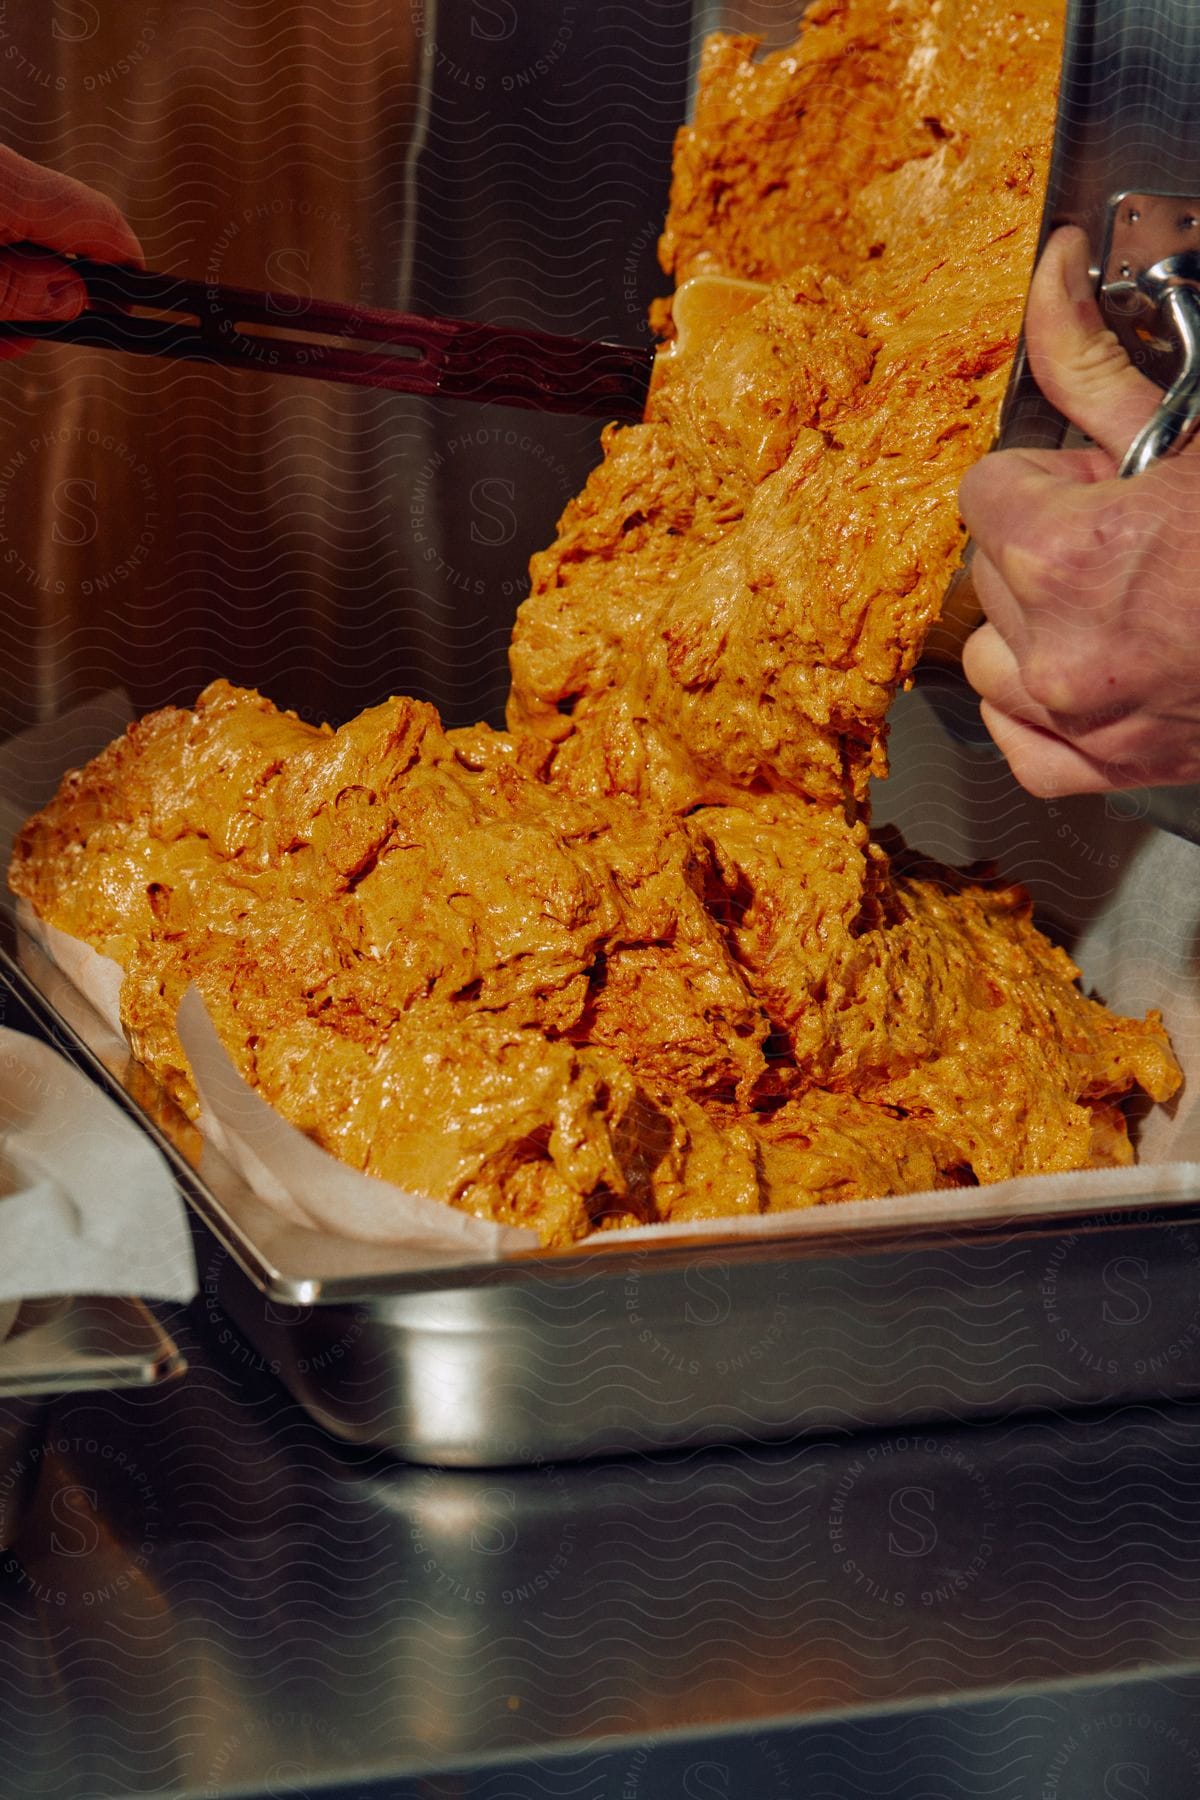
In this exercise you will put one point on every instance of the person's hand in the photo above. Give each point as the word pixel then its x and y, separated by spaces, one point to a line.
pixel 1089 664
pixel 39 206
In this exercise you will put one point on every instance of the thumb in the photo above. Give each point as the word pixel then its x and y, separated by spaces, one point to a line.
pixel 1077 362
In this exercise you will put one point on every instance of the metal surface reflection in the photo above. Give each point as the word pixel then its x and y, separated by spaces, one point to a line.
pixel 165 525
pixel 206 1595
pixel 1147 227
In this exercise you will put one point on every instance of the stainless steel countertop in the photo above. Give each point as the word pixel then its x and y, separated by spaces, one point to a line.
pixel 209 1597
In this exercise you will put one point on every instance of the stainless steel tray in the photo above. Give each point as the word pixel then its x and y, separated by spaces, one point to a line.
pixel 608 1350
pixel 84 1343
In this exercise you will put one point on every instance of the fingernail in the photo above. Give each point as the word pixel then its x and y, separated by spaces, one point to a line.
pixel 60 299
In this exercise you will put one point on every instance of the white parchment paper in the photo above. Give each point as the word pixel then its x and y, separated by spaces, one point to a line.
pixel 281 1165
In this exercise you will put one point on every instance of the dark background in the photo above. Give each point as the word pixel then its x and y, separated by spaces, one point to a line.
pixel 160 524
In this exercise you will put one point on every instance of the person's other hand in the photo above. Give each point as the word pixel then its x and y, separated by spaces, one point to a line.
pixel 1089 664
pixel 40 206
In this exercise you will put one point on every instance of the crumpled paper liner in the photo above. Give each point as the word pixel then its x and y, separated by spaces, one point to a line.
pixel 306 1183
pixel 280 1164
pixel 1129 895
pixel 87 1204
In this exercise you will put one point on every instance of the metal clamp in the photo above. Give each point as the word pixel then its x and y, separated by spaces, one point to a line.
pixel 1163 301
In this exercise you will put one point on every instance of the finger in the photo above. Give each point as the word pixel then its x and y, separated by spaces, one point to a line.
pixel 990 665
pixel 1047 766
pixel 1077 362
pixel 994 670
pixel 1042 760
pixel 991 498
pixel 41 206
pixel 39 287
pixel 1120 748
pixel 1109 729
pixel 1056 542
pixel 996 493
pixel 1000 607
pixel 1084 465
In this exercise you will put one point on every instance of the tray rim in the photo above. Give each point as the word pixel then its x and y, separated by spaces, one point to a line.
pixel 55 1367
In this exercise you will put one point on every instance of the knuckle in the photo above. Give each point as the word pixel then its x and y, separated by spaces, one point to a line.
pixel 1092 690
pixel 106 213
pixel 1099 361
pixel 1047 686
pixel 1043 563
pixel 975 660
pixel 1113 529
pixel 1079 551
